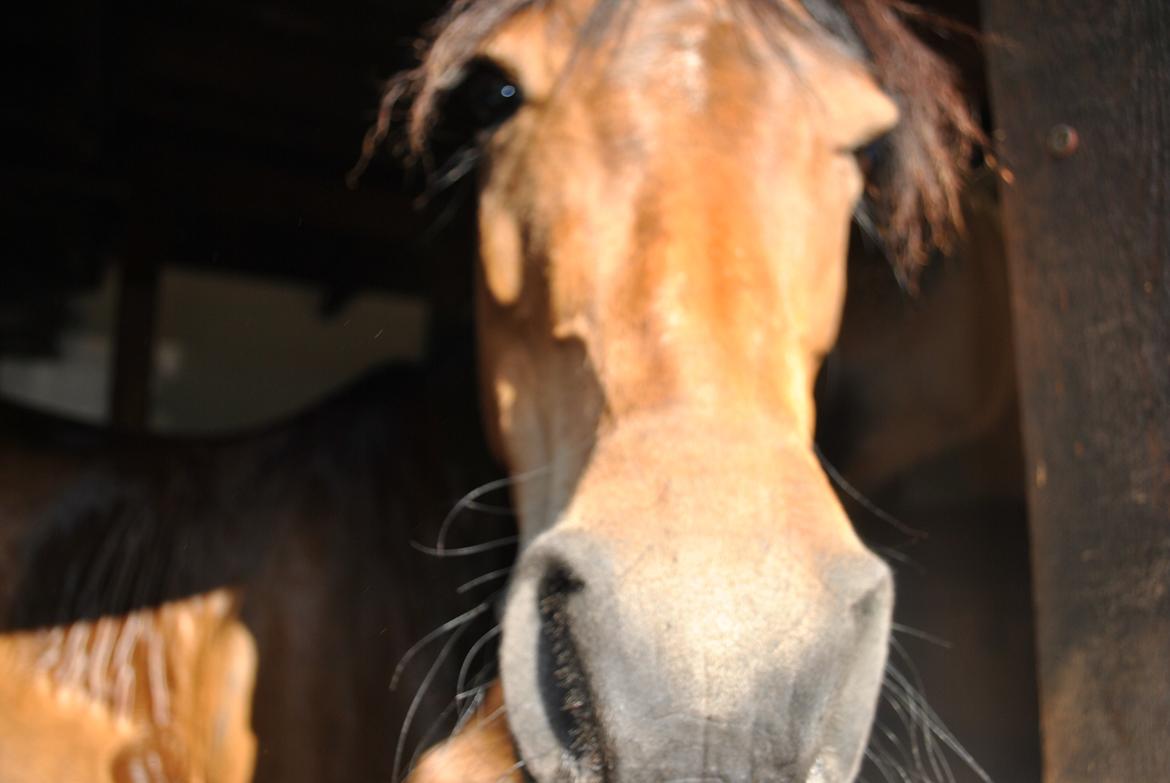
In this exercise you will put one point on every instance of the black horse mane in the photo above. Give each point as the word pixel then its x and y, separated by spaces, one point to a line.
pixel 146 519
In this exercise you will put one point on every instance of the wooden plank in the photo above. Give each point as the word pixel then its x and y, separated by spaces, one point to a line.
pixel 1081 97
pixel 368 239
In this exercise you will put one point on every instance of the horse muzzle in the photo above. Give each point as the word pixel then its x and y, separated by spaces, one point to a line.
pixel 671 660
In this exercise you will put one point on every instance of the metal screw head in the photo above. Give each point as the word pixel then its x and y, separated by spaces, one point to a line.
pixel 1063 140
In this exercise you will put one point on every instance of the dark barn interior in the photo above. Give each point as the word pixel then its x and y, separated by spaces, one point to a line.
pixel 184 255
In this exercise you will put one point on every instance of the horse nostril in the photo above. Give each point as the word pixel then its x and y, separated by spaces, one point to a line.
pixel 874 603
pixel 563 680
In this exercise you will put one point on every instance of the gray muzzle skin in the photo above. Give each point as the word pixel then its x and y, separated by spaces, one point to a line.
pixel 671 664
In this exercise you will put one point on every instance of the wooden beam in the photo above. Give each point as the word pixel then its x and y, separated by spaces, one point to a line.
pixel 134 337
pixel 1081 98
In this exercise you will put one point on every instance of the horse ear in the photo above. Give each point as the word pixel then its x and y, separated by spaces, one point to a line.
pixel 480 752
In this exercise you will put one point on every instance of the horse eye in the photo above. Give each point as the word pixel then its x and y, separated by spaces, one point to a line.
pixel 870 155
pixel 484 99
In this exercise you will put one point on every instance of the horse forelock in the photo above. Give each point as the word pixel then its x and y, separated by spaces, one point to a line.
pixel 912 195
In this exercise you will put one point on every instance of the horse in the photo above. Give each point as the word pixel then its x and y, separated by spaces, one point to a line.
pixel 664 194
pixel 238 608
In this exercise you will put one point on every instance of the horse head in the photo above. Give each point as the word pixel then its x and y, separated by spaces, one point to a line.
pixel 665 195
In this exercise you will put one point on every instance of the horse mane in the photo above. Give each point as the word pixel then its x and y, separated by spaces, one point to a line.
pixel 143 520
pixel 912 199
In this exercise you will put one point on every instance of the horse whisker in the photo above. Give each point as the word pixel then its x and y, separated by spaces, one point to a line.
pixel 471 653
pixel 884 763
pixel 932 724
pixel 416 701
pixel 892 738
pixel 865 502
pixel 519 765
pixel 915 690
pixel 493 716
pixel 455 623
pixel 485 578
pixel 486 508
pixel 425 741
pixel 476 494
pixel 907 715
pixel 919 634
pixel 465 551
pixel 474 698
pixel 890 553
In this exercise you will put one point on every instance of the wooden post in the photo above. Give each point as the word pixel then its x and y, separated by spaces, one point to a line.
pixel 134 338
pixel 1081 98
